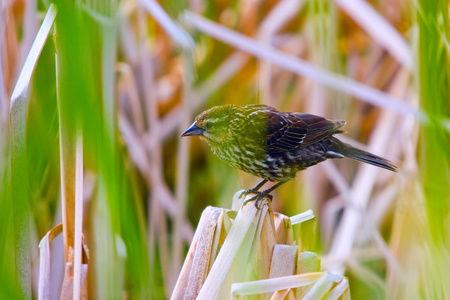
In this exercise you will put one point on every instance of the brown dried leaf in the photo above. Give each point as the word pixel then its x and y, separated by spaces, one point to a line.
pixel 44 262
pixel 197 263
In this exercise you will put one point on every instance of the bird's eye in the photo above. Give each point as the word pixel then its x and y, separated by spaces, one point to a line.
pixel 209 126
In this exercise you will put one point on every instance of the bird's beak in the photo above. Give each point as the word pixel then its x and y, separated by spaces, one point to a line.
pixel 193 130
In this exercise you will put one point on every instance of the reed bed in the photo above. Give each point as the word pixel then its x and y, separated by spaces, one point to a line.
pixel 249 251
pixel 100 199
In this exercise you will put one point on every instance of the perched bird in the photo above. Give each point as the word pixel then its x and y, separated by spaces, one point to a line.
pixel 274 145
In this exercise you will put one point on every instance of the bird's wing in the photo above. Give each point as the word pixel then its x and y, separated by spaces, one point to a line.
pixel 288 131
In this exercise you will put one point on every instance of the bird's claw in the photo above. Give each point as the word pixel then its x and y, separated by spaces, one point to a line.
pixel 246 192
pixel 258 197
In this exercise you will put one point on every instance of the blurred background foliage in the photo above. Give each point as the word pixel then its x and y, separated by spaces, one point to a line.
pixel 137 73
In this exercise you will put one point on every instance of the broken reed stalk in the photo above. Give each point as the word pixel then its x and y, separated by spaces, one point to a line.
pixel 249 251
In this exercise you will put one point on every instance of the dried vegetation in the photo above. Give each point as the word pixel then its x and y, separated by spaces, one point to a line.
pixel 90 139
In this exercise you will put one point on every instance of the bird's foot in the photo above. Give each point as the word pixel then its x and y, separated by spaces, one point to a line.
pixel 258 198
pixel 244 193
pixel 253 190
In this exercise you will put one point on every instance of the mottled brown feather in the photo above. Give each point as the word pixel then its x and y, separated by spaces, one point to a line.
pixel 289 131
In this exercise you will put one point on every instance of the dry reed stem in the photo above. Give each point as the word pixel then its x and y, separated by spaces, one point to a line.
pixel 157 231
pixel 44 262
pixel 33 55
pixel 364 184
pixel 67 289
pixel 182 178
pixel 29 29
pixel 78 281
pixel 198 259
pixel 283 260
pixel 379 29
pixel 391 261
pixel 137 152
pixel 127 88
pixel 335 177
pixel 229 67
pixel 177 33
pixel 379 205
pixel 45 283
pixel 185 42
pixel 281 14
pixel 252 259
pixel 232 65
pixel 234 252
pixel 359 197
pixel 145 147
pixel 282 295
pixel 322 286
pixel 127 36
pixel 301 67
pixel 340 291
pixel 382 204
pixel 10 49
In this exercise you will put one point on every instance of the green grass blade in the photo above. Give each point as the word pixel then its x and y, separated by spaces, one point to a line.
pixel 434 79
pixel 20 193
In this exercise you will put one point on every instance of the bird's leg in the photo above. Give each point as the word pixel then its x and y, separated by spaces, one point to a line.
pixel 255 189
pixel 263 194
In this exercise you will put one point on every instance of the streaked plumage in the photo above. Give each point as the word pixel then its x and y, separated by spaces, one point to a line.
pixel 274 145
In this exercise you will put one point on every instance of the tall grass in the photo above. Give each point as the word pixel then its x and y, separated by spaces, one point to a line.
pixel 129 76
pixel 433 78
pixel 433 152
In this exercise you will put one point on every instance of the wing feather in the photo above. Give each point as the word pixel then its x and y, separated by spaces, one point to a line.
pixel 288 131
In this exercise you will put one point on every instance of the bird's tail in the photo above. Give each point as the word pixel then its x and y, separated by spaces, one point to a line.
pixel 364 156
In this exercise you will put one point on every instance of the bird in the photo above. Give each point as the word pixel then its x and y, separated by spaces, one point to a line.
pixel 274 145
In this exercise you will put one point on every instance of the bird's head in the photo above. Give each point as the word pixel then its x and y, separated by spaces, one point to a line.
pixel 213 125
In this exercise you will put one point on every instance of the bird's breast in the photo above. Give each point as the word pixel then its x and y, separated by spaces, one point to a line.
pixel 256 161
pixel 274 166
